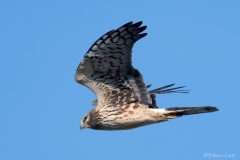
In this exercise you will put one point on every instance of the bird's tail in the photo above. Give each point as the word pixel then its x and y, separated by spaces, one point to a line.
pixel 175 112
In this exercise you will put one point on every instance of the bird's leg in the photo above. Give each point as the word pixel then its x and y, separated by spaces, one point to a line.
pixel 95 102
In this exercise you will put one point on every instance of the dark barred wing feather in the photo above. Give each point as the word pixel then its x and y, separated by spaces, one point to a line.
pixel 107 68
pixel 164 90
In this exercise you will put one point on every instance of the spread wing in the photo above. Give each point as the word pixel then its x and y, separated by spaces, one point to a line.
pixel 162 90
pixel 107 68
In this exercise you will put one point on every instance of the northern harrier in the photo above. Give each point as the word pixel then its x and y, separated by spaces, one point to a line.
pixel 123 100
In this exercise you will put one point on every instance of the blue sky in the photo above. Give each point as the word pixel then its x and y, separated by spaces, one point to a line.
pixel 192 43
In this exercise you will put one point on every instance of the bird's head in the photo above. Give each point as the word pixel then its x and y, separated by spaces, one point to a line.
pixel 86 121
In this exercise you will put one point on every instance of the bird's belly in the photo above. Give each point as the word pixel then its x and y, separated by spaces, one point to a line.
pixel 131 119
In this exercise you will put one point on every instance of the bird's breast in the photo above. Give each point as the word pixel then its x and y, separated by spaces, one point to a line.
pixel 126 117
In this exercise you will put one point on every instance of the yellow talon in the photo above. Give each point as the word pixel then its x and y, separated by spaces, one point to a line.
pixel 171 116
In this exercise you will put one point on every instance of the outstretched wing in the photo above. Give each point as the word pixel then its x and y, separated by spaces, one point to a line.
pixel 164 90
pixel 107 68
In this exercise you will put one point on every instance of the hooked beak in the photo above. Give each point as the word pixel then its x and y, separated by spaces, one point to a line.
pixel 81 125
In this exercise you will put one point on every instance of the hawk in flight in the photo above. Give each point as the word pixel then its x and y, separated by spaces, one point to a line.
pixel 123 100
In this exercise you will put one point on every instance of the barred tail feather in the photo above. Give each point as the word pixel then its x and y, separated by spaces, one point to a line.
pixel 180 111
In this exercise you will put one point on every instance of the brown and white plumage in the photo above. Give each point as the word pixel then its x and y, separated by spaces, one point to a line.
pixel 123 100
